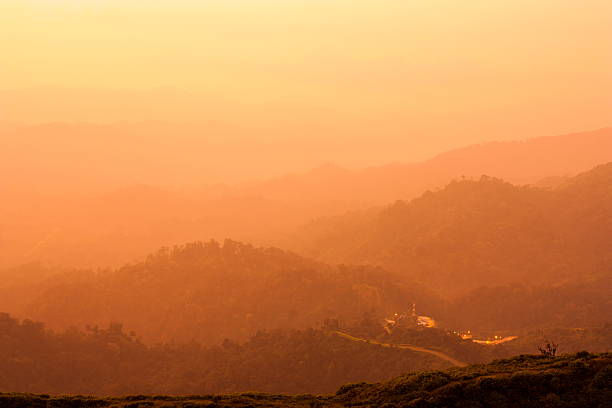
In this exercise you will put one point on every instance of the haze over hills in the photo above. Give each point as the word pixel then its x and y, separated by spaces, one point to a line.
pixel 480 253
pixel 109 228
pixel 91 158
pixel 474 233
pixel 230 196
pixel 473 255
pixel 518 162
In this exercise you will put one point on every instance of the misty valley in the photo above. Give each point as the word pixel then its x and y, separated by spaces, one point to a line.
pixel 477 271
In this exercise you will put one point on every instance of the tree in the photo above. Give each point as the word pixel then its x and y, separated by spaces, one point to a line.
pixel 549 349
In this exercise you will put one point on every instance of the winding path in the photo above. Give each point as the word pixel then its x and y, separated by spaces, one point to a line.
pixel 438 354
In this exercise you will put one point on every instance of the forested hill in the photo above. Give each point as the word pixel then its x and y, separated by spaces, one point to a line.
pixel 208 292
pixel 578 380
pixel 476 233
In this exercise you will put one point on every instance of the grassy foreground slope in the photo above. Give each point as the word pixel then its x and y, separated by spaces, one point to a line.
pixel 577 380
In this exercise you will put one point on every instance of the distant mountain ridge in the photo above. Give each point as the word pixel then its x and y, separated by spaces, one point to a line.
pixel 112 228
pixel 519 162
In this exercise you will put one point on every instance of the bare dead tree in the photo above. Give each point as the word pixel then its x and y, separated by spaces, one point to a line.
pixel 549 349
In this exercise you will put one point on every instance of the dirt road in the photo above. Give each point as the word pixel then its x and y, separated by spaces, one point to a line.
pixel 438 354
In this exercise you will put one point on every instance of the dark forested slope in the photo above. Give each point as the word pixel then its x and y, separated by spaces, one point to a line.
pixel 105 361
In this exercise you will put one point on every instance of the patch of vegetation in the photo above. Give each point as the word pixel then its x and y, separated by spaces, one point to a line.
pixel 577 380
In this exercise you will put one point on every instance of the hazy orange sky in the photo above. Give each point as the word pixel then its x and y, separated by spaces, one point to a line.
pixel 387 80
